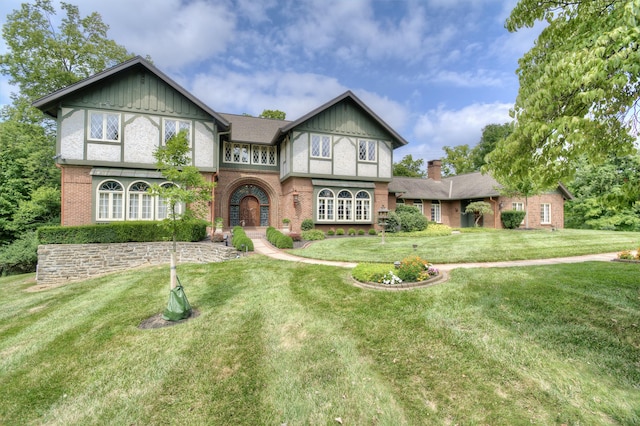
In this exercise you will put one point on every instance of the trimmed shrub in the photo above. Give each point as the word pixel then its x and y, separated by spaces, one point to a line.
pixel 372 231
pixel 511 219
pixel 360 231
pixel 240 240
pixel 313 235
pixel 412 220
pixel 404 208
pixel 393 222
pixel 278 239
pixel 331 232
pixel 339 231
pixel 307 225
pixel 122 232
pixel 352 231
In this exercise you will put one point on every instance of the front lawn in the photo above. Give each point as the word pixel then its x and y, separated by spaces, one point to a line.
pixel 290 343
pixel 473 247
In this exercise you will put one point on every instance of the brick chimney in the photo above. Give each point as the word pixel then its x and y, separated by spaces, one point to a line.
pixel 434 170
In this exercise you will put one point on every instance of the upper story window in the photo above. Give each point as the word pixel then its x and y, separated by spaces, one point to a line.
pixel 110 201
pixel 173 127
pixel 367 150
pixel 242 153
pixel 321 146
pixel 104 126
pixel 263 155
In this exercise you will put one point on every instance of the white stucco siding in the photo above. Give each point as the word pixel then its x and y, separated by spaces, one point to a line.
pixel 367 170
pixel 344 157
pixel 72 135
pixel 203 145
pixel 103 152
pixel 300 153
pixel 320 167
pixel 284 159
pixel 141 136
pixel 385 159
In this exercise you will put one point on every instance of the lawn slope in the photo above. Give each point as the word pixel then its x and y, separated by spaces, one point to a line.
pixel 278 342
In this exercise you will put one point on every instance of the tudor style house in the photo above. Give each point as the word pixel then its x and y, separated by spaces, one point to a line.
pixel 333 165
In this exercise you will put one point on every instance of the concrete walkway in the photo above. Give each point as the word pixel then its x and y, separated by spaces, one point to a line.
pixel 261 246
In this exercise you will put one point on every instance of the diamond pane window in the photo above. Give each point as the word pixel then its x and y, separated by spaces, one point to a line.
pixel 272 156
pixel 104 126
pixel 173 127
pixel 321 146
pixel 366 150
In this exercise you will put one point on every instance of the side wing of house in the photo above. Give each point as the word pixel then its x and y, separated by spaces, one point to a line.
pixel 336 162
pixel 108 129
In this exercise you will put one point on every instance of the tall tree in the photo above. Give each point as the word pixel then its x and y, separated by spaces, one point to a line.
pixel 462 159
pixel 457 161
pixel 409 167
pixel 42 58
pixel 579 87
pixel 273 114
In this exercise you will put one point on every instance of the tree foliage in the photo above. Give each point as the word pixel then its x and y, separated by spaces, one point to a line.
pixel 42 58
pixel 409 167
pixel 463 159
pixel 606 196
pixel 579 87
pixel 479 209
pixel 273 114
pixel 190 187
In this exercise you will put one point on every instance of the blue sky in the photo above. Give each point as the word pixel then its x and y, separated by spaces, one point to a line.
pixel 437 71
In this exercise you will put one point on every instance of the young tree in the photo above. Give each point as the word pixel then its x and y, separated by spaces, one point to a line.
pixel 409 167
pixel 190 189
pixel 579 87
pixel 479 209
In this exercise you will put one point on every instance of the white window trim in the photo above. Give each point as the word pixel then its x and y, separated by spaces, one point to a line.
pixel 321 136
pixel 545 210
pixel 419 205
pixel 110 194
pixel 104 126
pixel 368 153
pixel 436 212
pixel 350 206
pixel 270 150
pixel 140 195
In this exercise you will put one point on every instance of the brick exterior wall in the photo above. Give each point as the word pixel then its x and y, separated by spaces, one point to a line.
pixel 62 263
pixel 76 195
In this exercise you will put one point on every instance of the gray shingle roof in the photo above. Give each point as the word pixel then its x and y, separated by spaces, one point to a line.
pixel 256 130
pixel 471 185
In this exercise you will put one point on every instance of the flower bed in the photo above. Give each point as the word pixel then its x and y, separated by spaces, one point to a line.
pixel 411 272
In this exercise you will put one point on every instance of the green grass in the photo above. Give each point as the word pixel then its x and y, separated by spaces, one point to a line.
pixel 278 342
pixel 473 246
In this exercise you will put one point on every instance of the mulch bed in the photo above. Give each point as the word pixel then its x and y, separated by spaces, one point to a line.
pixel 156 321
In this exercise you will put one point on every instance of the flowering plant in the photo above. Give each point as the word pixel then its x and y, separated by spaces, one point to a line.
pixel 390 279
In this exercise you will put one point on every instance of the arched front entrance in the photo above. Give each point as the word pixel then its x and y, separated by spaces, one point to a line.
pixel 249 206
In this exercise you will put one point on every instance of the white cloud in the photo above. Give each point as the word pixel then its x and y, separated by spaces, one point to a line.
pixel 439 127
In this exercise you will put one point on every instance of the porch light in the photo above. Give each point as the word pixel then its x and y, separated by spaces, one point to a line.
pixel 296 197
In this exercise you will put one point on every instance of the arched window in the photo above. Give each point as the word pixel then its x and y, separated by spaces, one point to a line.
pixel 163 208
pixel 110 201
pixel 345 205
pixel 140 202
pixel 363 206
pixel 325 205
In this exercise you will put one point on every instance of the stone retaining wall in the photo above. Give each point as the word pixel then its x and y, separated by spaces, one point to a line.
pixel 59 263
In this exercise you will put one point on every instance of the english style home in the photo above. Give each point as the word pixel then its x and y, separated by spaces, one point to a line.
pixel 333 165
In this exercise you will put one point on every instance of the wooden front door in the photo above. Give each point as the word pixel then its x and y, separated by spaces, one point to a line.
pixel 250 211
